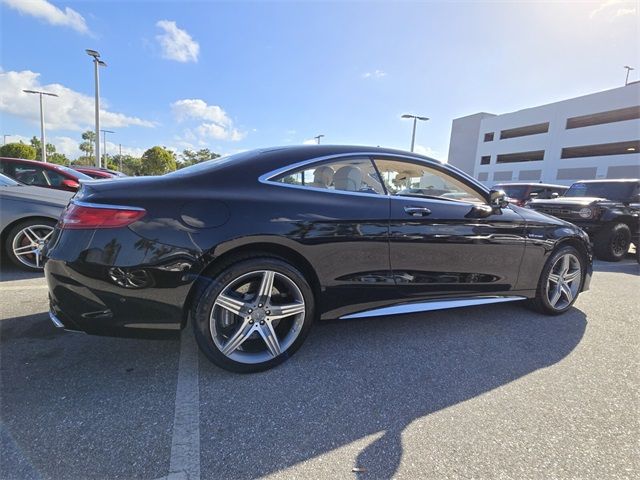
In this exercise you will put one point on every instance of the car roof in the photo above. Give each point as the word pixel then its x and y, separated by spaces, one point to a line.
pixel 30 162
pixel 610 180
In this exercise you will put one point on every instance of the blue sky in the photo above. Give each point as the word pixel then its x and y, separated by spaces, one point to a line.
pixel 232 76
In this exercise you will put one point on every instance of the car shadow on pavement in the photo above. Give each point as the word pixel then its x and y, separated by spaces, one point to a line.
pixel 353 379
pixel 10 273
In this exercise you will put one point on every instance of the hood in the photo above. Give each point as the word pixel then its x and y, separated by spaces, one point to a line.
pixel 33 194
pixel 572 201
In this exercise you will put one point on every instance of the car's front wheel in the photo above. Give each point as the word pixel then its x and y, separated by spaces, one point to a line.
pixel 560 282
pixel 612 243
pixel 253 315
pixel 25 241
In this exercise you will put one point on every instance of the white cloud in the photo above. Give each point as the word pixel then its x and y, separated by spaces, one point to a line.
pixel 114 149
pixel 310 141
pixel 67 146
pixel 374 74
pixel 71 110
pixel 426 151
pixel 216 124
pixel 50 13
pixel 612 9
pixel 176 43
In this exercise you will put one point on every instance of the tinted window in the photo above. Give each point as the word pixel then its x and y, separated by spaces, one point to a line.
pixel 518 192
pixel 30 175
pixel 418 180
pixel 620 191
pixel 75 173
pixel 350 175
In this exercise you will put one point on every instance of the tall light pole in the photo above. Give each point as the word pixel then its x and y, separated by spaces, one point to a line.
pixel 318 137
pixel 4 141
pixel 626 80
pixel 43 140
pixel 97 63
pixel 104 139
pixel 415 120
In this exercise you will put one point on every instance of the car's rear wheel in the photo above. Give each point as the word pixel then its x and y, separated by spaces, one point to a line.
pixel 560 282
pixel 612 243
pixel 25 241
pixel 253 315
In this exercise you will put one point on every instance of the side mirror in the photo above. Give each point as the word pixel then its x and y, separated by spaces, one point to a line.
pixel 70 184
pixel 555 195
pixel 498 199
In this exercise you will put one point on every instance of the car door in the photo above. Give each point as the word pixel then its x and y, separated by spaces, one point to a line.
pixel 445 240
pixel 337 212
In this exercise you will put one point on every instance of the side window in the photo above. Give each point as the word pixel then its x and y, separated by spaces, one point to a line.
pixel 31 175
pixel 54 178
pixel 418 180
pixel 349 175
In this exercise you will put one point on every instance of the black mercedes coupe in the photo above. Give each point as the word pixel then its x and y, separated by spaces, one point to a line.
pixel 256 246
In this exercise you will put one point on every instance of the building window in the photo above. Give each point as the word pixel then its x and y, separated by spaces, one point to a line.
pixel 485 160
pixel 600 118
pixel 624 171
pixel 530 175
pixel 483 176
pixel 603 149
pixel 524 131
pixel 488 137
pixel 521 157
pixel 502 176
pixel 581 173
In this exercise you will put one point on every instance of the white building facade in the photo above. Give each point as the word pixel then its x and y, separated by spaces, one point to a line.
pixel 591 137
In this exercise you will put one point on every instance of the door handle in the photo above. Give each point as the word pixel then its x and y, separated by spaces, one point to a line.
pixel 417 211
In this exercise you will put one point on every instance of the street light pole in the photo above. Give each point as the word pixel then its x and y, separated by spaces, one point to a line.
pixel 104 139
pixel 626 80
pixel 43 139
pixel 4 140
pixel 318 137
pixel 415 121
pixel 97 63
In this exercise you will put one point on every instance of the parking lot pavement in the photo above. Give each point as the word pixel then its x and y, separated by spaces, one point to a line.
pixel 477 392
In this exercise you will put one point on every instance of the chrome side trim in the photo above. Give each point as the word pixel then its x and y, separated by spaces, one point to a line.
pixel 105 205
pixel 267 177
pixel 56 321
pixel 430 306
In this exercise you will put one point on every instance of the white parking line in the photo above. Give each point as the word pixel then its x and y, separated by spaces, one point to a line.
pixel 185 441
pixel 14 288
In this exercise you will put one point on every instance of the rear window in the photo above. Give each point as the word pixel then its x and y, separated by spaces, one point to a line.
pixel 75 173
pixel 514 191
pixel 619 191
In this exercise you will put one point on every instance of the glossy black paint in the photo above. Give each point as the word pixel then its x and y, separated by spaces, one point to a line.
pixel 359 251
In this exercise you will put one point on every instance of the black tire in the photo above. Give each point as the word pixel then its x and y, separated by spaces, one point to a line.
pixel 612 242
pixel 15 231
pixel 541 301
pixel 211 289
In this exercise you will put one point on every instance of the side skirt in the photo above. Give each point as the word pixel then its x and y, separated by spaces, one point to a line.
pixel 430 306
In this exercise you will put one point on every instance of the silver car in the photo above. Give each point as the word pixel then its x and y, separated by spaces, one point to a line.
pixel 27 217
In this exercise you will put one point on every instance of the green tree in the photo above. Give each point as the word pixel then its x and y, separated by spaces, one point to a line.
pixel 18 150
pixel 58 158
pixel 189 157
pixel 89 141
pixel 131 165
pixel 35 143
pixel 157 161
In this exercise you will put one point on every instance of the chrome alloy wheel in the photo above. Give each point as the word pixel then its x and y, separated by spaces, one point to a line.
pixel 27 245
pixel 564 280
pixel 257 316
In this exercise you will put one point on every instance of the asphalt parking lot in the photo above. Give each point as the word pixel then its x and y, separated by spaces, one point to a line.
pixel 487 392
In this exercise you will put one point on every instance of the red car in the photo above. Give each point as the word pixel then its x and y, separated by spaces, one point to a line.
pixel 41 174
pixel 99 173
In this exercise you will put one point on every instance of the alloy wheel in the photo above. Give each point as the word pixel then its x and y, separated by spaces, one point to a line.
pixel 563 282
pixel 27 245
pixel 257 316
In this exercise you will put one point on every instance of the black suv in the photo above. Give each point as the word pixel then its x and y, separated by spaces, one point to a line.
pixel 607 210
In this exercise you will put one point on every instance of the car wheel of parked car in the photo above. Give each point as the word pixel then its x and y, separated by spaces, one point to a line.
pixel 253 315
pixel 612 243
pixel 25 241
pixel 560 282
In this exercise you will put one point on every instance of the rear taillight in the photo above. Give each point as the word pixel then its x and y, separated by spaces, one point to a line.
pixel 95 216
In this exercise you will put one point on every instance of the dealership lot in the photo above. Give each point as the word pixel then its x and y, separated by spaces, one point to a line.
pixel 481 392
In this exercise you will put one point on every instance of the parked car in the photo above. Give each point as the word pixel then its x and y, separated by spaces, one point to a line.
pixel 607 210
pixel 254 247
pixel 99 173
pixel 27 217
pixel 41 174
pixel 521 193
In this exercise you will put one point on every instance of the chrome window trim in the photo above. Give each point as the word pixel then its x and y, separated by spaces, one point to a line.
pixel 431 305
pixel 105 205
pixel 267 178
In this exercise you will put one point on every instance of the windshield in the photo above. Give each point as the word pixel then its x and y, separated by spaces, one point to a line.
pixel 620 191
pixel 75 173
pixel 7 182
